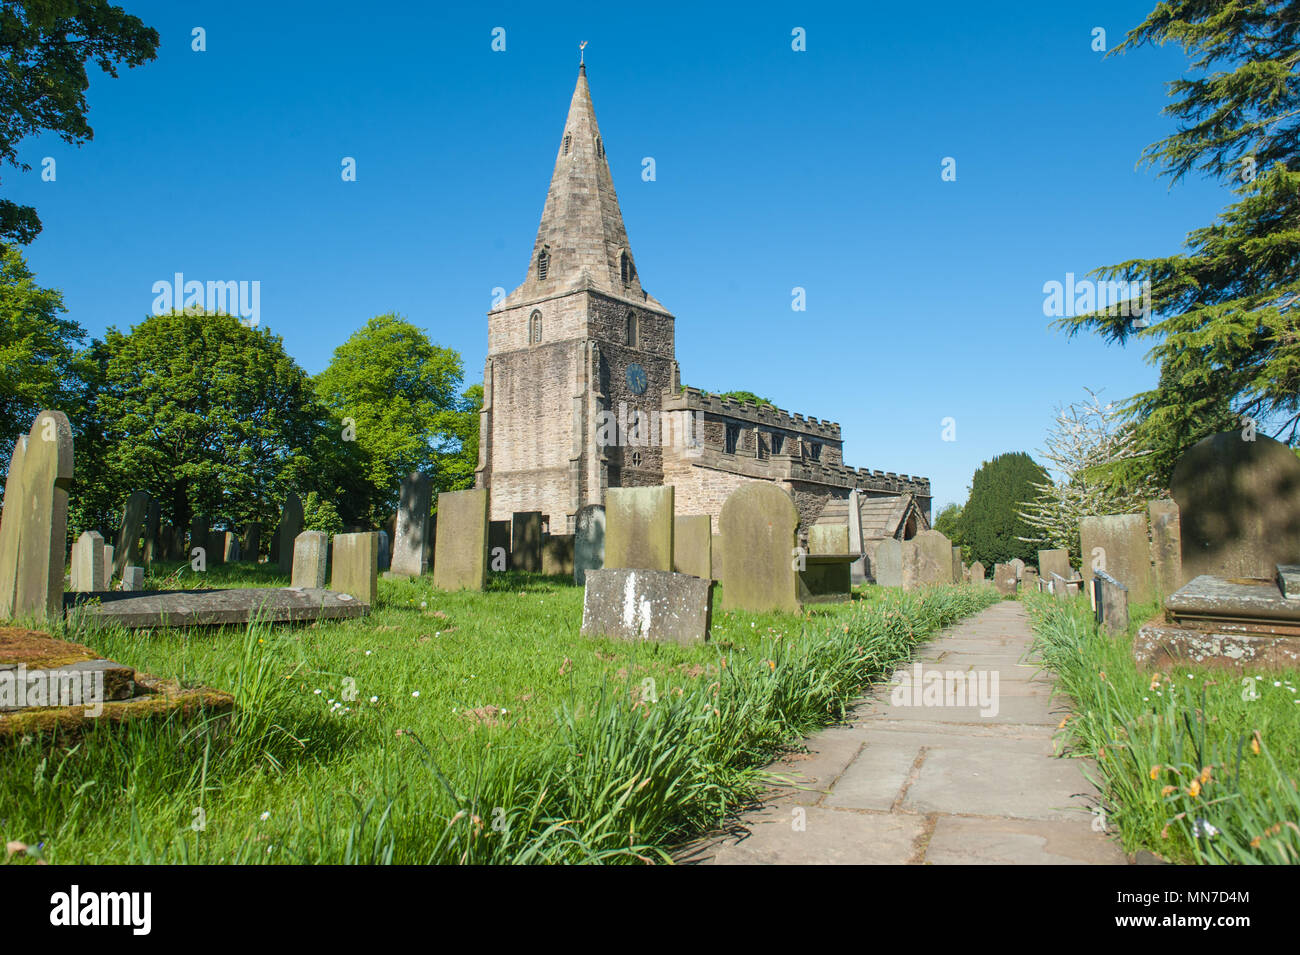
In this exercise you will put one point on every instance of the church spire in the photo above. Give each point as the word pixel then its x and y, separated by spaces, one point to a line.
pixel 582 242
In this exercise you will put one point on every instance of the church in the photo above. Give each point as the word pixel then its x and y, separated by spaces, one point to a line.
pixel 581 344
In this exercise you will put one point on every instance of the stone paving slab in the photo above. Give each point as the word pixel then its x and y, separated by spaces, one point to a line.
pixel 920 784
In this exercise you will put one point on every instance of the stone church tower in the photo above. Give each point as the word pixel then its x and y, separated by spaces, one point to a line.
pixel 579 336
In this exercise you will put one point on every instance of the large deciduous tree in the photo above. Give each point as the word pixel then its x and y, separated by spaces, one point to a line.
pixel 45 46
pixel 1225 322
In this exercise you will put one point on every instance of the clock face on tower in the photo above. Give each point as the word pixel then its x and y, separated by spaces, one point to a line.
pixel 636 379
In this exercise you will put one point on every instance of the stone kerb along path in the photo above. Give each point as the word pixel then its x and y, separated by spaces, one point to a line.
pixel 952 763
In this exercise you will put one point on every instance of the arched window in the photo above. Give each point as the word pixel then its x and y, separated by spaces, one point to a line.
pixel 543 262
pixel 535 328
pixel 625 266
pixel 633 332
pixel 567 140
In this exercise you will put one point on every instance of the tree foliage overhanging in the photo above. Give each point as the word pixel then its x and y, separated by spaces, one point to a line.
pixel 1224 326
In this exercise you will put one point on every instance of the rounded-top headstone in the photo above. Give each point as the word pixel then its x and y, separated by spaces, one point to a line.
pixel 1240 506
pixel 759 522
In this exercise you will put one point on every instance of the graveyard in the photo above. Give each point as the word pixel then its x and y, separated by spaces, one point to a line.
pixel 310 592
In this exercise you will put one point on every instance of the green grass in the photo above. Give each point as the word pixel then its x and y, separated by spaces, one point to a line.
pixel 1196 765
pixel 467 727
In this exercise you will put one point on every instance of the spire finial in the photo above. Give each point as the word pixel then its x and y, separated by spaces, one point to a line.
pixel 582 65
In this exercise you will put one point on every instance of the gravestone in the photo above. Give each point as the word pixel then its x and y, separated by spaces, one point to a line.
pixel 385 555
pixel 153 546
pixel 526 541
pixel 213 608
pixel 887 563
pixel 171 547
pixel 957 570
pixel 1029 580
pixel 288 531
pixel 638 604
pixel 639 528
pixel 132 578
pixel 252 541
pixel 977 573
pixel 230 551
pixel 215 547
pixel 128 535
pixel 759 524
pixel 693 545
pixel 828 539
pixel 1110 602
pixel 557 554
pixel 1018 565
pixel 108 564
pixel 1166 545
pixel 310 554
pixel 927 560
pixel 1055 561
pixel 498 545
pixel 198 534
pixel 588 542
pixel 461 560
pixel 1239 504
pixel 88 570
pixel 412 526
pixel 356 566
pixel 34 521
pixel 857 545
pixel 1004 578
pixel 1117 544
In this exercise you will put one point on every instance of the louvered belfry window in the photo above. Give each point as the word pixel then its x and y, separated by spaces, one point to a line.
pixel 567 140
pixel 543 262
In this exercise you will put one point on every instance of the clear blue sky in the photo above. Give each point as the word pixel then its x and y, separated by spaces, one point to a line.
pixel 775 169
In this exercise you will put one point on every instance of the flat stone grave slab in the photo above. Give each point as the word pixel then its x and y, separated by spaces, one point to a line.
pixel 1214 600
pixel 213 608
pixel 48 684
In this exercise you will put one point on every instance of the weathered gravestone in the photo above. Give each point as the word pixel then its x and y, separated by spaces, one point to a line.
pixel 638 604
pixel 526 541
pixel 1029 580
pixel 828 539
pixel 88 571
pixel 716 556
pixel 858 572
pixel 310 556
pixel 557 554
pixel 887 563
pixel 412 526
pixel 132 578
pixel 252 541
pixel 461 560
pixel 288 531
pixel 1117 544
pixel 356 566
pixel 1004 578
pixel 1166 545
pixel 957 575
pixel 693 545
pixel 977 573
pixel 128 535
pixel 498 546
pixel 1239 504
pixel 153 547
pixel 1055 561
pixel 759 524
pixel 588 541
pixel 385 554
pixel 639 527
pixel 1018 566
pixel 199 534
pixel 230 550
pixel 108 564
pixel 1110 602
pixel 927 560
pixel 34 521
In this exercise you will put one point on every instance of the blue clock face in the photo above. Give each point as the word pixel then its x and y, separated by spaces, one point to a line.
pixel 636 379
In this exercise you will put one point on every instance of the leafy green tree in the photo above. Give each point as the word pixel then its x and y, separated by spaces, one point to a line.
pixel 948 522
pixel 1223 318
pixel 991 526
pixel 401 394
pixel 320 514
pixel 211 417
pixel 746 396
pixel 45 45
pixel 39 362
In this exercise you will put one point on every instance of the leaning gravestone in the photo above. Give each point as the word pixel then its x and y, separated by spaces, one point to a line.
pixel 356 566
pixel 828 539
pixel 1239 504
pixel 310 554
pixel 128 536
pixel 1166 545
pixel 639 528
pixel 1117 544
pixel 927 560
pixel 526 541
pixel 588 542
pixel 759 524
pixel 412 526
pixel 461 560
pixel 34 522
pixel 693 545
pixel 647 605
pixel 88 570
pixel 887 563
pixel 288 531
pixel 1110 602
pixel 1055 561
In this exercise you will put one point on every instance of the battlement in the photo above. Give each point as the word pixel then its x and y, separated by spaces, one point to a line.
pixel 863 478
pixel 693 399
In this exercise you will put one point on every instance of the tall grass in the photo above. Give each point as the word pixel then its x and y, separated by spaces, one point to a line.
pixel 1195 765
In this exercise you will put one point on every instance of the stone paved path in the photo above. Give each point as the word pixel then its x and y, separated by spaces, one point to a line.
pixel 907 784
